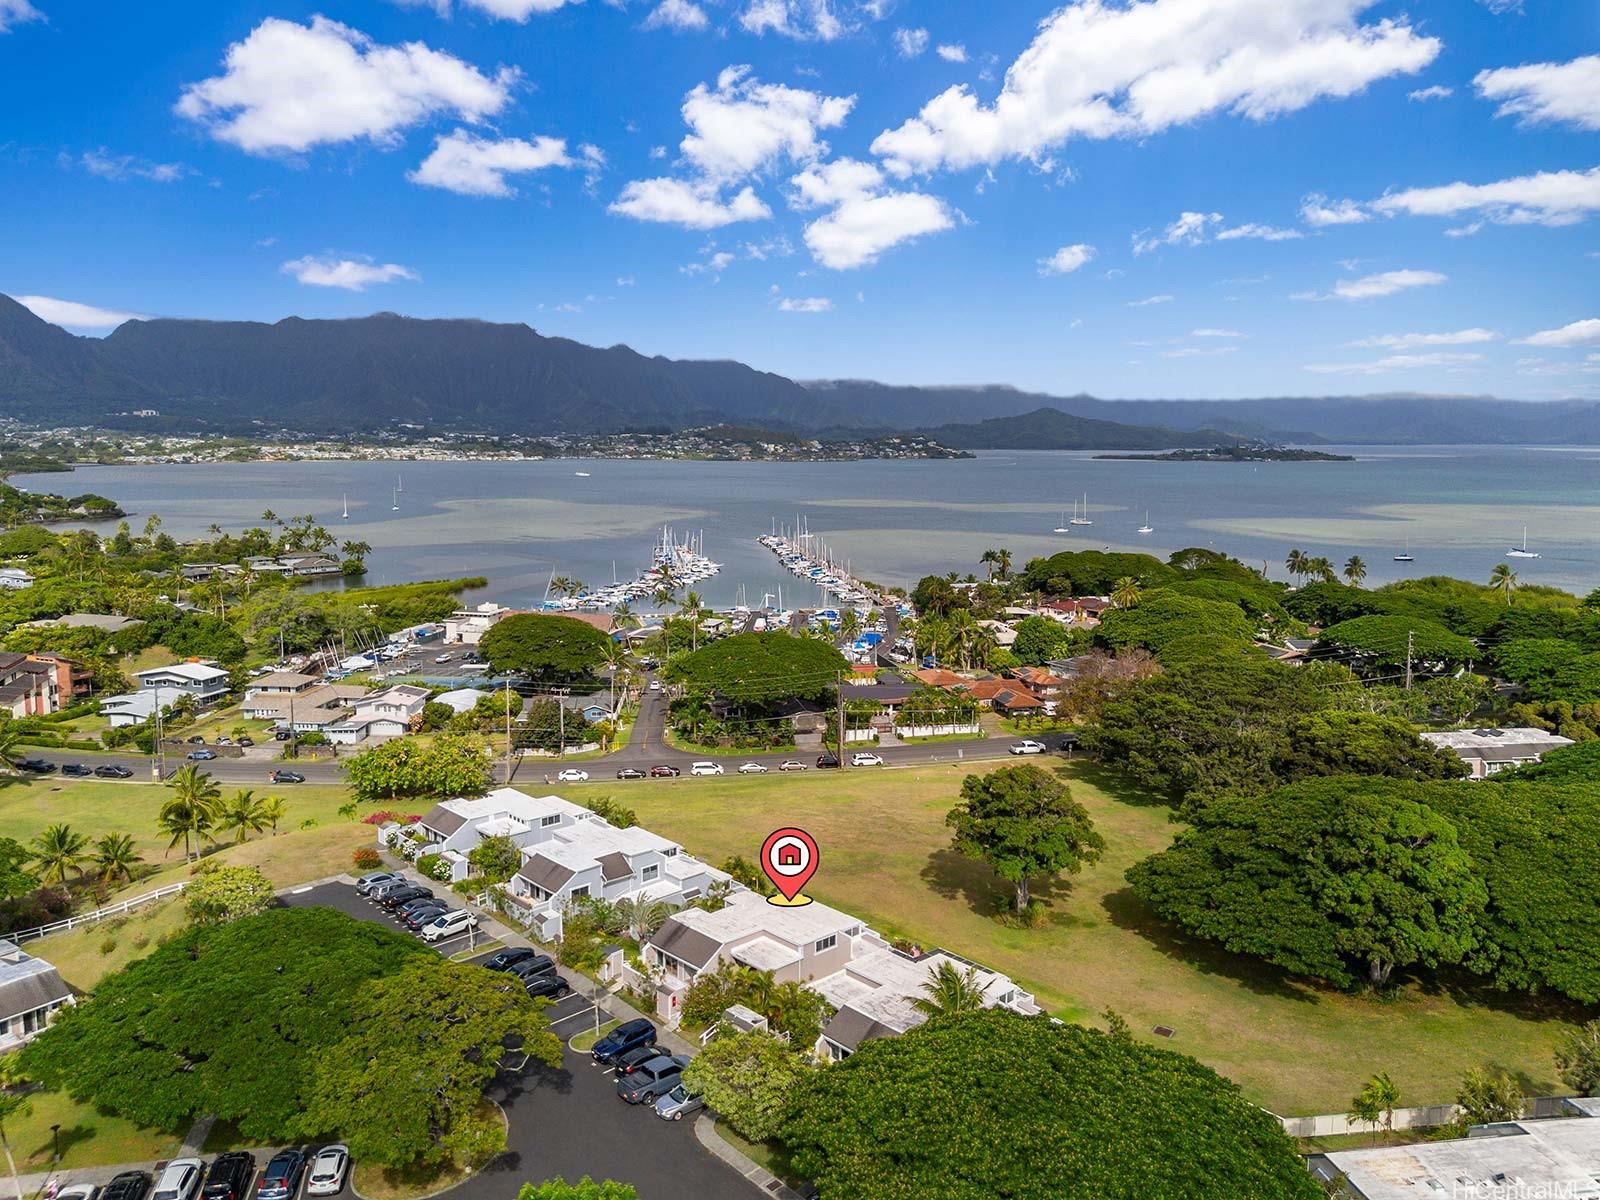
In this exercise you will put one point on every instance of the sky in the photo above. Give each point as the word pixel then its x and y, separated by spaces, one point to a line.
pixel 1132 198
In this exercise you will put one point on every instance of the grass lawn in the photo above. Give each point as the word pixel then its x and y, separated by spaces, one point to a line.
pixel 585 1041
pixel 1294 1048
pixel 88 1138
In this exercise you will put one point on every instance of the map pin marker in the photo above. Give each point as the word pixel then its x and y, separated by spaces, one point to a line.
pixel 789 858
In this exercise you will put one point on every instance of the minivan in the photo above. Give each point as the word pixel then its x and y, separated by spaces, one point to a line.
pixel 180 1181
pixel 706 768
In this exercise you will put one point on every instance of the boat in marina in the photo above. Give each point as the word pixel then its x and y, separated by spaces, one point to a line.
pixel 1083 518
pixel 1524 552
pixel 1147 527
pixel 676 562
pixel 1405 557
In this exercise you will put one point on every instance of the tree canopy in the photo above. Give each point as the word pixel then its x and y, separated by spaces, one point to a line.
pixel 451 765
pixel 220 893
pixel 1382 641
pixel 1023 822
pixel 987 1104
pixel 761 667
pixel 1338 879
pixel 1092 572
pixel 1163 616
pixel 547 647
pixel 750 1079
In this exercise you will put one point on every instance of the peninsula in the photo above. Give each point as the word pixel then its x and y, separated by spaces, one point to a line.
pixel 1235 454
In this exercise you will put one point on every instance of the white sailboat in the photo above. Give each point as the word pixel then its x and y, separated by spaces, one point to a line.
pixel 346 513
pixel 1405 557
pixel 1062 528
pixel 1524 552
pixel 1147 527
pixel 395 507
pixel 1084 518
pixel 581 474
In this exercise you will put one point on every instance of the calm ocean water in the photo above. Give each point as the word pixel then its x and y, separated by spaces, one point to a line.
pixel 1458 509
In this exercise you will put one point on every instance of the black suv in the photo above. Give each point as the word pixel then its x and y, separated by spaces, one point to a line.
pixel 525 969
pixel 546 984
pixel 36 766
pixel 828 761
pixel 628 1036
pixel 77 770
pixel 400 896
pixel 509 958
pixel 281 1179
pixel 130 1185
pixel 230 1175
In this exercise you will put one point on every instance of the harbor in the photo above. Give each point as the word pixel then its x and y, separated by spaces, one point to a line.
pixel 675 564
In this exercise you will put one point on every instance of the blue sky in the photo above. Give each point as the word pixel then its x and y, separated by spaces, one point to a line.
pixel 1162 198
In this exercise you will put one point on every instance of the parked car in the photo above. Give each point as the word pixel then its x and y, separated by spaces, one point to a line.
pixel 828 761
pixel 411 891
pixel 246 742
pixel 198 739
pixel 180 1181
pixel 676 1104
pixel 630 1035
pixel 328 1170
pixel 539 964
pixel 655 1078
pixel 752 769
pixel 36 766
pixel 281 1178
pixel 201 755
pixel 655 685
pixel 511 956
pixel 230 1176
pixel 790 764
pixel 573 775
pixel 630 773
pixel 130 1185
pixel 286 777
pixel 442 658
pixel 371 880
pixel 424 912
pixel 1028 746
pixel 547 983
pixel 663 771
pixel 414 908
pixel 113 771
pixel 224 741
pixel 281 735
pixel 706 768
pixel 866 758
pixel 78 1191
pixel 629 1060
pixel 77 770
pixel 378 891
pixel 448 925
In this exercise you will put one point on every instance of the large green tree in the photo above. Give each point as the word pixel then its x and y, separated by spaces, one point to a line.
pixel 1323 879
pixel 761 667
pixel 1162 617
pixel 1040 639
pixel 546 647
pixel 990 1104
pixel 220 893
pixel 451 765
pixel 584 1189
pixel 750 1079
pixel 1023 823
pixel 1379 642
pixel 1357 743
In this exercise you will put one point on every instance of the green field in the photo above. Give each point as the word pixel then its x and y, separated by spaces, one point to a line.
pixel 1294 1048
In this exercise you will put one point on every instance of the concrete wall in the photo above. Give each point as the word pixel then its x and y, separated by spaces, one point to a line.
pixel 1423 1117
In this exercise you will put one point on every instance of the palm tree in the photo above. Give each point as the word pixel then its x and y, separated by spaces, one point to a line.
pixel 115 858
pixel 1125 592
pixel 964 632
pixel 10 752
pixel 58 850
pixel 1321 568
pixel 623 616
pixel 690 608
pixel 1503 580
pixel 273 810
pixel 1355 571
pixel 849 625
pixel 786 999
pixel 641 917
pixel 989 558
pixel 950 991
pixel 1002 562
pixel 1296 563
pixel 242 815
pixel 191 812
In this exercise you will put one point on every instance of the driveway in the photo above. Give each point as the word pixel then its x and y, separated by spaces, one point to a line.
pixel 569 1122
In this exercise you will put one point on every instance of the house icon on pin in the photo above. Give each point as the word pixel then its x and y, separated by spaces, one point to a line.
pixel 789 856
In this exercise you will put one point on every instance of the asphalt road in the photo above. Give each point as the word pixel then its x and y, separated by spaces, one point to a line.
pixel 569 1122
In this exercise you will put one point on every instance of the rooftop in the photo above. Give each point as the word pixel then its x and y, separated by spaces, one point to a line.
pixel 747 913
pixel 1523 1158
pixel 1495 739
pixel 198 672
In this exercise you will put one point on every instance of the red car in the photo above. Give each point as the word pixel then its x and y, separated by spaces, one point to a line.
pixel 663 771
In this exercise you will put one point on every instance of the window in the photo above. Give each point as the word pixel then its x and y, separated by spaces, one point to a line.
pixel 649 873
pixel 579 891
pixel 546 822
pixel 826 943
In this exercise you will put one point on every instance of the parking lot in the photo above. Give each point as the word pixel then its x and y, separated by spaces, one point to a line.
pixel 570 1122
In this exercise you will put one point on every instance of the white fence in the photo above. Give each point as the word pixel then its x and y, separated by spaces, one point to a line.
pixel 1425 1117
pixel 921 731
pixel 99 914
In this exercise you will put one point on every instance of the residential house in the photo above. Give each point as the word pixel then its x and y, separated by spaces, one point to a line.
pixel 454 828
pixel 603 621
pixel 461 699
pixel 1043 683
pixel 105 622
pixel 1004 635
pixel 1079 610
pixel 135 708
pixel 466 626
pixel 15 578
pixel 31 992
pixel 312 564
pixel 1489 751
pixel 74 681
pixel 28 686
pixel 280 683
pixel 205 683
pixel 386 714
pixel 310 711
pixel 1017 701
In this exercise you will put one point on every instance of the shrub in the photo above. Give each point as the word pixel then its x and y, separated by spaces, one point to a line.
pixel 434 867
pixel 366 859
pixel 108 945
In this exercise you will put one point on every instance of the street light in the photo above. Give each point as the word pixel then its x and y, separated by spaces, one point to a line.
pixel 55 1141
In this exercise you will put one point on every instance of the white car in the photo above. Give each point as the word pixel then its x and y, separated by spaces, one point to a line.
pixel 865 758
pixel 448 925
pixel 180 1181
pixel 328 1170
pixel 706 768
pixel 752 769
pixel 573 775
pixel 1029 746
pixel 655 685
pixel 443 658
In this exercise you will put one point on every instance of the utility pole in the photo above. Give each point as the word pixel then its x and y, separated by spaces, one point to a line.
pixel 1411 638
pixel 839 684
pixel 508 729
pixel 157 757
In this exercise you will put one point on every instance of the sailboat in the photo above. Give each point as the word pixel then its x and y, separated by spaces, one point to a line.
pixel 1062 528
pixel 1084 519
pixel 1524 552
pixel 395 507
pixel 1147 527
pixel 581 474
pixel 1405 557
pixel 346 513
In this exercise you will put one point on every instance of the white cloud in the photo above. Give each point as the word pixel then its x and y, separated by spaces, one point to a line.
pixel 1316 210
pixel 1385 283
pixel 1469 230
pixel 352 275
pixel 1579 333
pixel 804 20
pixel 1265 233
pixel 1066 260
pixel 910 43
pixel 743 125
pixel 472 166
pixel 1149 300
pixel 288 87
pixel 1218 333
pixel 1188 230
pixel 866 219
pixel 72 314
pixel 17 12
pixel 682 15
pixel 626 281
pixel 1549 198
pixel 674 202
pixel 811 304
pixel 119 167
pixel 509 10
pixel 1199 351
pixel 714 265
pixel 1102 70
pixel 954 52
pixel 1437 92
pixel 1395 362
pixel 1546 93
pixel 1410 341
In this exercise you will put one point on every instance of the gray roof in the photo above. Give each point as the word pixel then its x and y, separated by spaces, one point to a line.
pixel 29 985
pixel 546 873
pixel 614 867
pixel 685 944
pixel 442 821
pixel 850 1027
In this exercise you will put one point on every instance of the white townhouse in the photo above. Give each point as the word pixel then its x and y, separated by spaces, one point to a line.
pixel 466 626
pixel 1489 751
pixel 205 682
pixel 31 991
pixel 454 828
pixel 386 714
